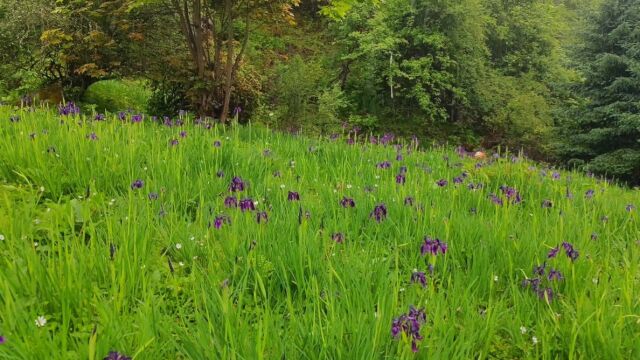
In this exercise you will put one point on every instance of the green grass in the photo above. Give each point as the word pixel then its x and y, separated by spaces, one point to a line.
pixel 118 95
pixel 284 289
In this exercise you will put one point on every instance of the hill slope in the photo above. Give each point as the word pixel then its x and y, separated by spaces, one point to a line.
pixel 135 237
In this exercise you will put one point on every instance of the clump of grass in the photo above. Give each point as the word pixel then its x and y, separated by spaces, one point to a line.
pixel 135 237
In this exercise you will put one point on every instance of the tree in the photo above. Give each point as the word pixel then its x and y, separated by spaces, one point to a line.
pixel 605 131
pixel 216 34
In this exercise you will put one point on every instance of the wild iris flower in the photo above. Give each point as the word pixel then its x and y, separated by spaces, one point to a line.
pixel 512 194
pixel 379 212
pixel 221 220
pixel 410 324
pixel 136 118
pixel 347 202
pixel 338 237
pixel 138 184
pixel 419 277
pixel 153 196
pixel 68 109
pixel 231 202
pixel 433 246
pixel 236 184
pixel 442 182
pixel 496 200
pixel 247 204
pixel 401 179
pixel 589 194
pixel 570 251
pixel 114 355
pixel 293 196
pixel 547 204
pixel 408 201
pixel 383 165
pixel 262 216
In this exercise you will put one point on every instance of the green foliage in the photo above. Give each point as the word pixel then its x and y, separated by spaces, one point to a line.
pixel 118 95
pixel 604 132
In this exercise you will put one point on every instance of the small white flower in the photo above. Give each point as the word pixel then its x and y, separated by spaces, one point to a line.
pixel 523 330
pixel 377 177
pixel 41 188
pixel 495 278
pixel 335 191
pixel 192 238
pixel 41 321
pixel 534 340
pixel 35 244
pixel 595 280
pixel 282 186
pixel 255 203
pixel 349 186
pixel 401 289
pixel 48 209
pixel 145 168
pixel 181 263
pixel 36 221
pixel 178 246
pixel 1 237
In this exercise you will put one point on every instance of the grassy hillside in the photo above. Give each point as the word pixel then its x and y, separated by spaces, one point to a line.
pixel 125 236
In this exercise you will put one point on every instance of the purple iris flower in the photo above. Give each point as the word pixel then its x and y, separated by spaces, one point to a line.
pixel 183 134
pixel 350 141
pixel 553 252
pixel 293 196
pixel 433 246
pixel 547 204
pixel 458 180
pixel 338 237
pixel 630 207
pixel 68 109
pixel 153 196
pixel 14 118
pixel 138 184
pixel 540 269
pixel 122 115
pixel 247 204
pixel 221 220
pixel 379 212
pixel 173 142
pixel 399 157
pixel 403 169
pixel 589 194
pixel 496 200
pixel 136 118
pixel 383 165
pixel 570 251
pixel 236 184
pixel 92 136
pixel 99 117
pixel 512 194
pixel 262 216
pixel 410 324
pixel 442 182
pixel 217 143
pixel 555 175
pixel 419 277
pixel 408 201
pixel 401 179
pixel 555 275
pixel 594 236
pixel 347 202
pixel 220 174
pixel 546 293
pixel 231 202
pixel 114 355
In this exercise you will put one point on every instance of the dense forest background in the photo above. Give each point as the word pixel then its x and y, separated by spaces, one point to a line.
pixel 558 79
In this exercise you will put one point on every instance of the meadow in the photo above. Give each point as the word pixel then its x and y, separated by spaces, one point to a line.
pixel 125 236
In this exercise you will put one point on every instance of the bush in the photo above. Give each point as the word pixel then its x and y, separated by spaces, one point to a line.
pixel 118 95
